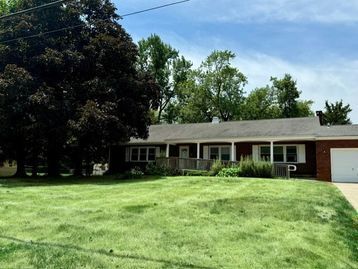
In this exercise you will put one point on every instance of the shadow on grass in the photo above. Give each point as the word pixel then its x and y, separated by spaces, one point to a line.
pixel 103 252
pixel 11 182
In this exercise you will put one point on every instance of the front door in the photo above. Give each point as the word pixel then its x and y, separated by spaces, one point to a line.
pixel 184 152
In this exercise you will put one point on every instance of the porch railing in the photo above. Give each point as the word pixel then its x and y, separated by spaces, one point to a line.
pixel 279 170
pixel 187 163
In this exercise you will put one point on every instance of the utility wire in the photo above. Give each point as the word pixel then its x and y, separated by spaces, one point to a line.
pixel 48 5
pixel 82 25
pixel 154 8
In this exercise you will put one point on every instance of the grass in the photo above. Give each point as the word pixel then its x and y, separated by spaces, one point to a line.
pixel 182 222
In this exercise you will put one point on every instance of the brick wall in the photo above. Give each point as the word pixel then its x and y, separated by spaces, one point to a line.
pixel 323 155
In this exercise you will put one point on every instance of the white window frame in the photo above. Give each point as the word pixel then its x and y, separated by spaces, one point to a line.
pixel 220 147
pixel 284 151
pixel 138 160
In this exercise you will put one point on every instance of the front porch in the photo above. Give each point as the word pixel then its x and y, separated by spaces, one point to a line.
pixel 175 163
pixel 188 163
pixel 200 155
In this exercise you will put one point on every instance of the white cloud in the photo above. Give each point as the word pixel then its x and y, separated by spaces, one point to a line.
pixel 323 11
pixel 331 80
pixel 258 11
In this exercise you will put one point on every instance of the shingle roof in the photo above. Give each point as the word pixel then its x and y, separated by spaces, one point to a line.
pixel 294 127
pixel 337 130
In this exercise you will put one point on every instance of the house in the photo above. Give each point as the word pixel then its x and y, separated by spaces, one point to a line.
pixel 329 153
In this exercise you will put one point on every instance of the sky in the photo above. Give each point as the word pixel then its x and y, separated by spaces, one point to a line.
pixel 314 41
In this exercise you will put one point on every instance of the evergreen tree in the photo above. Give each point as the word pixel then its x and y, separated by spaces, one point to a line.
pixel 336 113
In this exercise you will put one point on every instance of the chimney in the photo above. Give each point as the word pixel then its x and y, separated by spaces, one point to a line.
pixel 319 114
pixel 216 120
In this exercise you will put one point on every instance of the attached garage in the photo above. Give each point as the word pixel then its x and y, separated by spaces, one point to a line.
pixel 344 165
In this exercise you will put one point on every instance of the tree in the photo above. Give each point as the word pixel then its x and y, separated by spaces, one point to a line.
pixel 16 85
pixel 164 64
pixel 214 89
pixel 336 113
pixel 87 92
pixel 287 95
pixel 260 104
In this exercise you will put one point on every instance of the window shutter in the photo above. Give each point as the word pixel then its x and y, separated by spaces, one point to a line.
pixel 255 152
pixel 301 153
pixel 235 159
pixel 206 152
pixel 157 152
pixel 127 154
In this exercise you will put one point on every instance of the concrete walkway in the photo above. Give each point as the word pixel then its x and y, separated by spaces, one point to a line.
pixel 350 191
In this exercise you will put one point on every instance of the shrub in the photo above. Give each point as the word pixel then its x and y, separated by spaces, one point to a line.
pixel 157 170
pixel 216 167
pixel 198 173
pixel 229 172
pixel 251 168
pixel 134 173
pixel 248 168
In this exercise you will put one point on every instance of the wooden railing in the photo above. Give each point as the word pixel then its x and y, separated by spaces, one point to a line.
pixel 279 170
pixel 189 163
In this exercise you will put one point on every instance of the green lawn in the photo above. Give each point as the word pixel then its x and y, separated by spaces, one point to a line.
pixel 182 222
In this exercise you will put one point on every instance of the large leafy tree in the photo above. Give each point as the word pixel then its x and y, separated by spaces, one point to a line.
pixel 169 70
pixel 87 93
pixel 260 104
pixel 336 113
pixel 287 98
pixel 214 89
pixel 16 85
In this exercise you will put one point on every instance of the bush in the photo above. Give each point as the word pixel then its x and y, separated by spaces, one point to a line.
pixel 155 170
pixel 248 168
pixel 229 172
pixel 251 168
pixel 196 173
pixel 216 167
pixel 134 173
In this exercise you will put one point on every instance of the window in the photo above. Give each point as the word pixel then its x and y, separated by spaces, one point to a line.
pixel 225 153
pixel 151 154
pixel 291 154
pixel 265 153
pixel 214 153
pixel 220 153
pixel 281 153
pixel 142 154
pixel 134 155
pixel 278 155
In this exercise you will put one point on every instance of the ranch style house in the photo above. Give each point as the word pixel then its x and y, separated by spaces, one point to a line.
pixel 328 153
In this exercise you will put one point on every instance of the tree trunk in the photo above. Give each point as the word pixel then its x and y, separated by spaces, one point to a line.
pixel 78 162
pixel 53 157
pixel 35 162
pixel 20 159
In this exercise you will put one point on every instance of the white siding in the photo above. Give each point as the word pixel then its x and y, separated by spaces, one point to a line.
pixel 157 152
pixel 127 154
pixel 255 152
pixel 206 152
pixel 301 153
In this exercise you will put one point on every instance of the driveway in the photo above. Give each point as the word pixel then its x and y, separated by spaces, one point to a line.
pixel 350 191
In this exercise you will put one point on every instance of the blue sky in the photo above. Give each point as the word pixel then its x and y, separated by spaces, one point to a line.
pixel 315 41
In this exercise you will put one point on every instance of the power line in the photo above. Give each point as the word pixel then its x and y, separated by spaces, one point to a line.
pixel 154 8
pixel 81 25
pixel 48 5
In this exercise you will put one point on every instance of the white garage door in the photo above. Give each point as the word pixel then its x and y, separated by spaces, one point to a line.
pixel 344 165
